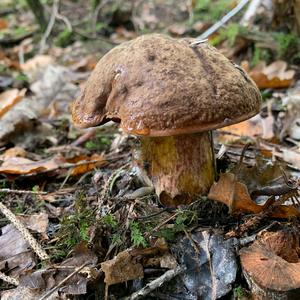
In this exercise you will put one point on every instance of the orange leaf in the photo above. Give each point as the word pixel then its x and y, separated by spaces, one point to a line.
pixel 10 98
pixel 96 161
pixel 236 196
pixel 21 165
pixel 3 24
pixel 274 75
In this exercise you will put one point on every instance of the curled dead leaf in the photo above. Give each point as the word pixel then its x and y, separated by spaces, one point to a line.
pixel 236 196
pixel 274 75
pixel 122 268
pixel 10 98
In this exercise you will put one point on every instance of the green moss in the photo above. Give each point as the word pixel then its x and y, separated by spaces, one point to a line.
pixel 208 10
pixel 74 227
pixel 64 38
pixel 137 237
pixel 288 44
pixel 229 33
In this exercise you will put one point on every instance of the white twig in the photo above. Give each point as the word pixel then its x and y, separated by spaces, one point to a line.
pixel 250 12
pixel 24 232
pixel 48 294
pixel 158 282
pixel 9 279
pixel 49 26
pixel 65 20
pixel 220 23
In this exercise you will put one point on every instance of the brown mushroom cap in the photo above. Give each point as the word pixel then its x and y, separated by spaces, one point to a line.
pixel 159 86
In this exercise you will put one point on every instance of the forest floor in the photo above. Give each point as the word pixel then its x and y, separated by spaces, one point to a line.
pixel 77 218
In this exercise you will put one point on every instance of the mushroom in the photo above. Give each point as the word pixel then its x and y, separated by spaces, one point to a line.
pixel 171 93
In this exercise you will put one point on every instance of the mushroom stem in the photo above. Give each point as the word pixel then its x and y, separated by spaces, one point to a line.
pixel 180 167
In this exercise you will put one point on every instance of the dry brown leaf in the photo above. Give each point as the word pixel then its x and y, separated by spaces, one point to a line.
pixel 292 157
pixel 251 128
pixel 97 160
pixel 121 268
pixel 274 75
pixel 36 222
pixel 236 196
pixel 36 63
pixel 222 191
pixel 21 165
pixel 14 152
pixel 15 256
pixel 178 29
pixel 3 24
pixel 9 98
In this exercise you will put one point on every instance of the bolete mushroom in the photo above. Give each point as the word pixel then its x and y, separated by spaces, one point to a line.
pixel 171 93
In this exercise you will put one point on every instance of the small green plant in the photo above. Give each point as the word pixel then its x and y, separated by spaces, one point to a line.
pixel 238 292
pixel 229 33
pixel 74 228
pixel 182 221
pixel 260 54
pixel 20 77
pixel 287 43
pixel 98 143
pixel 110 220
pixel 64 38
pixel 137 237
pixel 207 10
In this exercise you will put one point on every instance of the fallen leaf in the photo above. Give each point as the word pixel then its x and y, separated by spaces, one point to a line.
pixel 41 281
pixel 178 29
pixel 236 196
pixel 96 160
pixel 21 165
pixel 3 24
pixel 251 128
pixel 36 222
pixel 226 188
pixel 292 157
pixel 13 152
pixel 36 63
pixel 10 98
pixel 210 263
pixel 274 75
pixel 122 268
pixel 15 256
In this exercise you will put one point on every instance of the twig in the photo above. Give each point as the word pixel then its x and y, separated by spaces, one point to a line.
pixel 24 232
pixel 250 13
pixel 9 279
pixel 49 26
pixel 64 166
pixel 155 284
pixel 9 191
pixel 65 20
pixel 163 223
pixel 64 281
pixel 220 23
pixel 257 219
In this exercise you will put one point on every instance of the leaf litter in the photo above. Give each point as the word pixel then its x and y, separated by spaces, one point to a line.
pixel 97 217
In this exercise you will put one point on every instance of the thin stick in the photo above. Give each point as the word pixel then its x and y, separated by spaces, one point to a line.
pixel 50 26
pixel 24 232
pixel 250 12
pixel 64 281
pixel 9 191
pixel 220 23
pixel 158 282
pixel 9 279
